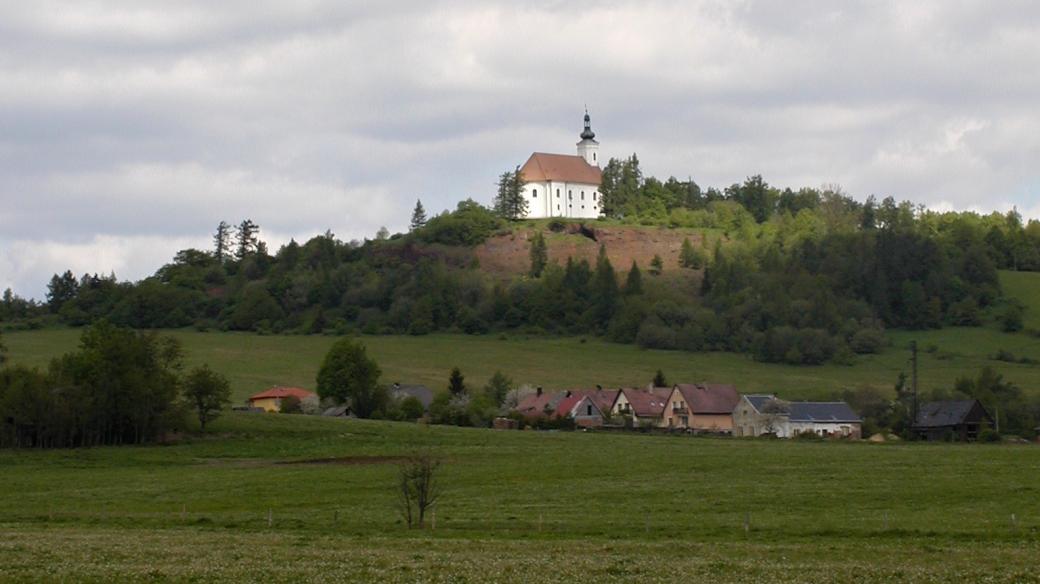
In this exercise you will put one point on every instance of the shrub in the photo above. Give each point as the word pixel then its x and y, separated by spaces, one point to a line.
pixel 868 340
pixel 989 435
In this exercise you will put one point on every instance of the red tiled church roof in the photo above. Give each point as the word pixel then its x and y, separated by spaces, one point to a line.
pixel 542 167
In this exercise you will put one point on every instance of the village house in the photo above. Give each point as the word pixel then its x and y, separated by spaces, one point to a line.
pixel 957 420
pixel 764 414
pixel 270 400
pixel 564 185
pixel 583 406
pixel 644 406
pixel 701 407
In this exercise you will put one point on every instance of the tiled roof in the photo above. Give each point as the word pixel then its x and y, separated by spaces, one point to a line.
pixel 822 412
pixel 647 403
pixel 709 398
pixel 944 413
pixel 279 392
pixel 541 167
pixel 419 392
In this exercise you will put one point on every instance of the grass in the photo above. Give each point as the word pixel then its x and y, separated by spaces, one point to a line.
pixel 517 506
pixel 254 362
pixel 1025 286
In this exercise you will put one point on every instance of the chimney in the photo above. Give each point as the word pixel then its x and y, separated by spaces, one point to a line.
pixel 599 387
pixel 538 391
pixel 567 393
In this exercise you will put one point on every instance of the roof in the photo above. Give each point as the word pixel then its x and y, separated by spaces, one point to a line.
pixel 601 398
pixel 419 392
pixel 567 404
pixel 822 412
pixel 938 414
pixel 647 403
pixel 280 392
pixel 542 167
pixel 817 412
pixel 535 405
pixel 709 398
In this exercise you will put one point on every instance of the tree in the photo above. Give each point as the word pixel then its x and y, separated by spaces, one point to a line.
pixel 456 382
pixel 347 373
pixel 61 289
pixel 634 281
pixel 383 234
pixel 3 350
pixel 206 392
pixel 418 216
pixel 689 256
pixel 222 242
pixel 659 379
pixel 246 238
pixel 1012 316
pixel 417 488
pixel 539 255
pixel 604 291
pixel 656 265
pixel 498 388
pixel 510 202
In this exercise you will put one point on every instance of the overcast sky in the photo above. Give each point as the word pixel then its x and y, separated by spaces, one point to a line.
pixel 129 129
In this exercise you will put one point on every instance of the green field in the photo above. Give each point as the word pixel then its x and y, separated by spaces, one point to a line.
pixel 518 506
pixel 1025 286
pixel 255 362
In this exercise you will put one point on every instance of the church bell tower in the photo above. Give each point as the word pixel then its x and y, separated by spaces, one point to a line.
pixel 588 148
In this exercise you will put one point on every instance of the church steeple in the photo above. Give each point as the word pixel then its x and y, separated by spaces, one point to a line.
pixel 588 148
pixel 587 133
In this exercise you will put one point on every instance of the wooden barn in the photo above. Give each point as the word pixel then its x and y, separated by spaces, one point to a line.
pixel 960 419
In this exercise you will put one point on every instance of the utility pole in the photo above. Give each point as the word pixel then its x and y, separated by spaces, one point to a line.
pixel 913 381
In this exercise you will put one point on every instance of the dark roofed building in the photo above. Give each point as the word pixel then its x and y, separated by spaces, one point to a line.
pixel 961 419
pixel 760 414
pixel 422 393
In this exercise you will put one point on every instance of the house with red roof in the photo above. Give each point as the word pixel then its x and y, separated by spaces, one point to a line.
pixel 583 406
pixel 644 405
pixel 701 407
pixel 271 399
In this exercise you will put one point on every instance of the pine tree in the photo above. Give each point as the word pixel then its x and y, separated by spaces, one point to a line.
pixel 659 380
pixel 604 290
pixel 656 265
pixel 456 382
pixel 690 257
pixel 510 202
pixel 246 238
pixel 539 255
pixel 634 283
pixel 418 216
pixel 222 242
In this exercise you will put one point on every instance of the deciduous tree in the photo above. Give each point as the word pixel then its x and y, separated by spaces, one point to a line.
pixel 207 393
pixel 348 374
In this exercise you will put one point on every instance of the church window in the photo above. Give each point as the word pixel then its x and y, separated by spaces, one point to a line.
pixel 557 193
pixel 534 193
pixel 557 207
pixel 583 206
pixel 594 157
pixel 583 195
pixel 593 196
pixel 570 195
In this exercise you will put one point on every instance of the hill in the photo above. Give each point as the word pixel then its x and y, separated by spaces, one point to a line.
pixel 293 498
pixel 254 362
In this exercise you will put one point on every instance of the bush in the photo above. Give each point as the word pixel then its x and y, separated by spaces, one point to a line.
pixel 653 334
pixel 989 435
pixel 868 340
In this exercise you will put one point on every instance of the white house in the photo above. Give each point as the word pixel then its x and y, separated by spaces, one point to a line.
pixel 563 185
pixel 756 415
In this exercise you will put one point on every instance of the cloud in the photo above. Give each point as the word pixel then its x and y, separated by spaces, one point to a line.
pixel 128 126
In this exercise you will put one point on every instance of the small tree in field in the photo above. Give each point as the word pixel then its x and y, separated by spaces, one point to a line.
pixel 539 255
pixel 656 265
pixel 206 392
pixel 417 488
pixel 659 380
pixel 456 382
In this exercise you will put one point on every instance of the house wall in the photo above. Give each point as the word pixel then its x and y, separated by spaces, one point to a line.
pixel 676 412
pixel 569 202
pixel 270 404
pixel 712 422
pixel 583 418
pixel 749 422
pixel 849 429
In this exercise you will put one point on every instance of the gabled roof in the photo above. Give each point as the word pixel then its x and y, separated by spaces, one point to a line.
pixel 822 412
pixel 709 398
pixel 542 167
pixel 759 400
pixel 535 405
pixel 647 403
pixel 419 392
pixel 938 414
pixel 280 392
pixel 601 398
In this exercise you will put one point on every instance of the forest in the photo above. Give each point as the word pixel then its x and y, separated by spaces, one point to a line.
pixel 800 277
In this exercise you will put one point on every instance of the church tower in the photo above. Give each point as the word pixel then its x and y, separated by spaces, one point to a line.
pixel 588 148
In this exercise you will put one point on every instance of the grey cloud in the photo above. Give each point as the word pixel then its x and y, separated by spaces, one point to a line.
pixel 132 128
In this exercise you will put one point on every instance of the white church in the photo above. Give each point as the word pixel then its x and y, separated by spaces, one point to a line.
pixel 563 185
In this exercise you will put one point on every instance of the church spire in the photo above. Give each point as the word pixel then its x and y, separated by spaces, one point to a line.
pixel 587 133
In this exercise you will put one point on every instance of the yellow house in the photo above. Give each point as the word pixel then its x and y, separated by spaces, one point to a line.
pixel 271 400
pixel 701 407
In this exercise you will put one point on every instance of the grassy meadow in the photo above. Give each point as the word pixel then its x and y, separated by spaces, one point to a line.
pixel 290 498
pixel 253 362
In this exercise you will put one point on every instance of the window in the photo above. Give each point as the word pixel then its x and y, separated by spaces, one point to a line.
pixel 557 193
pixel 593 196
pixel 534 193
pixel 594 157
pixel 583 206
pixel 583 195
pixel 570 194
pixel 557 207
pixel 588 410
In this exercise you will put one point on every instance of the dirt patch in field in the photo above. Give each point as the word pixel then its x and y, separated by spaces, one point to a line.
pixel 348 460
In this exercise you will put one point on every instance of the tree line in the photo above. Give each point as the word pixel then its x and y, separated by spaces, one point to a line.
pixel 801 277
pixel 119 387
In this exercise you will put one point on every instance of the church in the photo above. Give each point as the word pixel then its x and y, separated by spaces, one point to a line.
pixel 563 185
